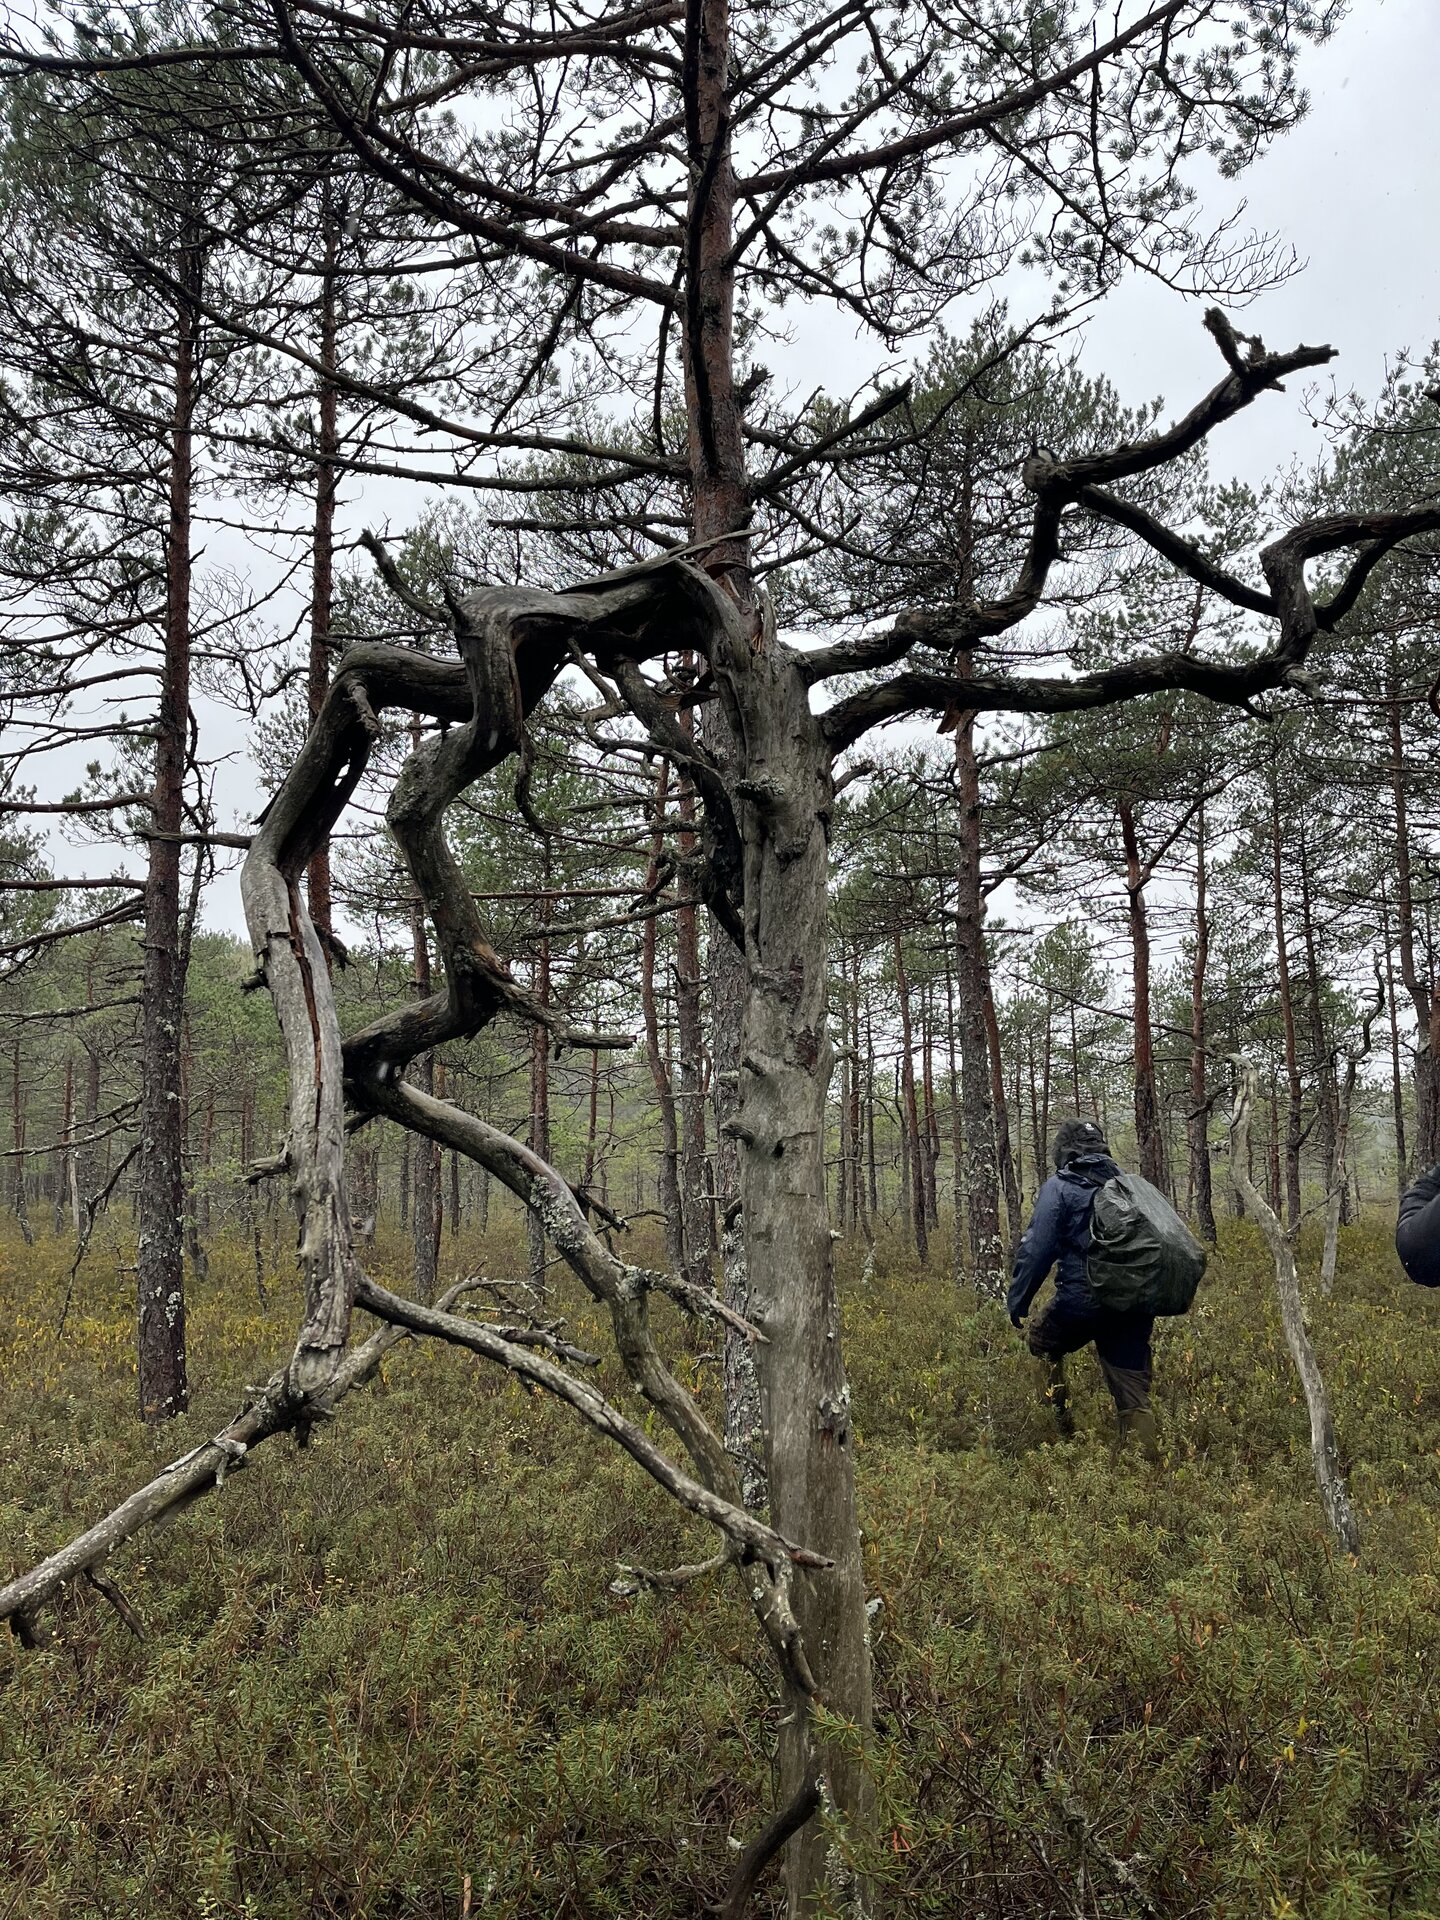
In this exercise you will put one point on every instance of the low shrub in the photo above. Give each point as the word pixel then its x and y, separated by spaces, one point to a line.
pixel 393 1662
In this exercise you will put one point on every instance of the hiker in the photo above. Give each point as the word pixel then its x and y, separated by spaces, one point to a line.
pixel 1109 1284
pixel 1417 1231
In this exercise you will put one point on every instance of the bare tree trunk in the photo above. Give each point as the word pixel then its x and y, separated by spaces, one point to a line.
pixel 1148 1137
pixel 1345 1100
pixel 1008 1182
pixel 669 1171
pixel 1293 1133
pixel 539 1135
pixel 843 1205
pixel 163 1389
pixel 1420 987
pixel 322 564
pixel 1397 1090
pixel 785 1071
pixel 909 1113
pixel 88 1159
pixel 1325 1090
pixel 690 1042
pixel 1323 1451
pixel 65 1154
pixel 252 1212
pixel 957 1134
pixel 425 1190
pixel 1199 1119
pixel 929 1125
pixel 982 1194
pixel 857 1107
pixel 17 1140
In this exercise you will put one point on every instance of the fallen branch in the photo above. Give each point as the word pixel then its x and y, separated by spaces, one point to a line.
pixel 755 1540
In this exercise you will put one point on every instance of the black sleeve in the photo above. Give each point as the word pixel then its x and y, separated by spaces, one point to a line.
pixel 1417 1232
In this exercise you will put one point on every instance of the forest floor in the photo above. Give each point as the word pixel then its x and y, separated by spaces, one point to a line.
pixel 393 1662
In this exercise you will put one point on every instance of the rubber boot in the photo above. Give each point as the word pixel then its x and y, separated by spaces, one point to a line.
pixel 1057 1395
pixel 1137 1424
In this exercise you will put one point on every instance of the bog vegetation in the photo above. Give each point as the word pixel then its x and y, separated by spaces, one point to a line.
pixel 376 1672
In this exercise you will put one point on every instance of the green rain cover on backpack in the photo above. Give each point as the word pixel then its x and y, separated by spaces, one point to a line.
pixel 1143 1257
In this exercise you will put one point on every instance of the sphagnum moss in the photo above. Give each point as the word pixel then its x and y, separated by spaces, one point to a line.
pixel 394 1662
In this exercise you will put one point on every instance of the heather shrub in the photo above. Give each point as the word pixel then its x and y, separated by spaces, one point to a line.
pixel 394 1661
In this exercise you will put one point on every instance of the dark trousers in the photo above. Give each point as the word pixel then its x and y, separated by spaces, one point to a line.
pixel 1121 1340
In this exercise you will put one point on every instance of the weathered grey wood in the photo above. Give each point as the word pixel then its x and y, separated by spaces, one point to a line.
pixel 1334 1494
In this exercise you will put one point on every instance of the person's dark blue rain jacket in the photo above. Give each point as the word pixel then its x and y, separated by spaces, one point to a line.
pixel 1059 1235
pixel 1417 1233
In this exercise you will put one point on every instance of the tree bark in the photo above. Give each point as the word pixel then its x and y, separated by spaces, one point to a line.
pixel 1287 1006
pixel 690 1044
pixel 322 563
pixel 162 1383
pixel 1334 1494
pixel 669 1170
pixel 1420 986
pixel 1397 1090
pixel 982 1194
pixel 1148 1138
pixel 1009 1185
pixel 785 1070
pixel 425 1187
pixel 539 1134
pixel 1199 1120
pixel 914 1156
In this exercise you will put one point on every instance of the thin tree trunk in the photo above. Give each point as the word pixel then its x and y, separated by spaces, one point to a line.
pixel 425 1191
pixel 1199 1121
pixel 690 1042
pixel 1148 1138
pixel 1397 1090
pixel 1325 1091
pixel 1287 1006
pixel 322 564
pixel 957 1132
pixel 909 1113
pixel 1323 1451
pixel 162 1385
pixel 982 1194
pixel 252 1212
pixel 1421 988
pixel 1008 1182
pixel 669 1170
pixel 65 1159
pixel 539 1135
pixel 929 1126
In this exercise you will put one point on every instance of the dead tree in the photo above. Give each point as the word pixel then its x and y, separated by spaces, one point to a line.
pixel 1281 1241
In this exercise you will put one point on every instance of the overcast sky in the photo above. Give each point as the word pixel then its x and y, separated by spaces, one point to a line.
pixel 1355 190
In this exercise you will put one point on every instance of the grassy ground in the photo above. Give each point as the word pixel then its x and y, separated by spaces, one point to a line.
pixel 393 1662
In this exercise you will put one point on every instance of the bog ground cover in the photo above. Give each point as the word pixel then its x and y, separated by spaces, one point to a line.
pixel 400 1663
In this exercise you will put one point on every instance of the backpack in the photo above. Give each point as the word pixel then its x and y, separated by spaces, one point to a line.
pixel 1143 1257
pixel 1417 1231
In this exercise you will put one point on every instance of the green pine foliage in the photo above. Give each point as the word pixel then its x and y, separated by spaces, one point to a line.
pixel 395 1661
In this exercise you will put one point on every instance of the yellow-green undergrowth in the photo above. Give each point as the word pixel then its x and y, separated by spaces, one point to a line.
pixel 393 1662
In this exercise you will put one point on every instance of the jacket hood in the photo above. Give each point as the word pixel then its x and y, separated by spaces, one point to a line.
pixel 1089 1170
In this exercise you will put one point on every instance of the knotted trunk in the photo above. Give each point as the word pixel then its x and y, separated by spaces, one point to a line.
pixel 786 789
